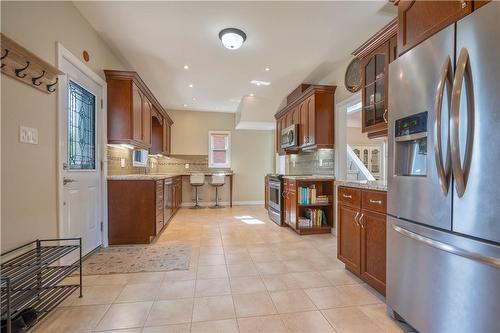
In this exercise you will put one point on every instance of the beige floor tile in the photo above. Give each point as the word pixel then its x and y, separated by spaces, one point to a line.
pixel 179 328
pixel 246 285
pixel 339 277
pixel 326 297
pixel 180 275
pixel 212 287
pixel 311 279
pixel 238 258
pixel 351 320
pixel 145 277
pixel 299 266
pixel 211 259
pixel 217 326
pixel 72 319
pixel 217 249
pixel 238 270
pixel 357 295
pixel 212 272
pixel 277 267
pixel 111 279
pixel 125 315
pixel 176 289
pixel 167 312
pixel 378 314
pixel 138 292
pixel 261 324
pixel 292 301
pixel 127 330
pixel 94 295
pixel 301 322
pixel 213 308
pixel 255 304
pixel 278 282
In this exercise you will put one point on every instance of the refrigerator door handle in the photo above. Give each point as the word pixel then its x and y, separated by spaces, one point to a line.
pixel 488 260
pixel 443 167
pixel 460 171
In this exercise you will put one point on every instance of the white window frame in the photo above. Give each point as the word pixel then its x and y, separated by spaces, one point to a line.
pixel 211 164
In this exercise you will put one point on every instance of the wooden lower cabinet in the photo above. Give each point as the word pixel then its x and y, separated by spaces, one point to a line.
pixel 361 235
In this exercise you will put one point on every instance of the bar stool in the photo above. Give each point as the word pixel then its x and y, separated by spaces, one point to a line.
pixel 197 180
pixel 217 181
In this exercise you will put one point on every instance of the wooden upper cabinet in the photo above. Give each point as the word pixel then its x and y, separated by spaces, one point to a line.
pixel 418 20
pixel 131 106
pixel 313 112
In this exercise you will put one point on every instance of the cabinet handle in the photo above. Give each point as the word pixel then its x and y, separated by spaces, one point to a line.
pixel 348 196
pixel 385 115
pixel 379 202
pixel 361 221
pixel 356 218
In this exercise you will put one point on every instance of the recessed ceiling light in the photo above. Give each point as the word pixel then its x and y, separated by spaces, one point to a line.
pixel 260 83
pixel 186 67
pixel 194 99
pixel 232 38
pixel 185 105
pixel 267 69
pixel 191 85
pixel 252 95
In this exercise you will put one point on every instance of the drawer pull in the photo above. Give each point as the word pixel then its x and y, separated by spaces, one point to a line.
pixel 348 196
pixel 379 202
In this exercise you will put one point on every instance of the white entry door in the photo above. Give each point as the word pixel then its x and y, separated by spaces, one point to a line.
pixel 79 140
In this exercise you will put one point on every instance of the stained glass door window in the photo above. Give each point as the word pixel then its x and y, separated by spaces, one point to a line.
pixel 81 128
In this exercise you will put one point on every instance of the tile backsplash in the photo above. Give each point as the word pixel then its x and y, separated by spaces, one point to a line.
pixel 320 162
pixel 115 154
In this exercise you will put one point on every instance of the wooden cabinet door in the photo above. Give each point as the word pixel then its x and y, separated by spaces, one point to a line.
pixel 311 120
pixel 349 238
pixel 419 20
pixel 303 123
pixel 167 135
pixel 373 249
pixel 136 113
pixel 292 197
pixel 146 121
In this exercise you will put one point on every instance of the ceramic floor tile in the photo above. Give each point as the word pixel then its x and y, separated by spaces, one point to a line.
pixel 378 314
pixel 278 282
pixel 72 319
pixel 299 266
pixel 180 275
pixel 94 295
pixel 145 277
pixel 276 267
pixel 212 272
pixel 292 301
pixel 246 285
pixel 339 277
pixel 138 292
pixel 255 304
pixel 238 258
pixel 179 328
pixel 217 326
pixel 212 287
pixel 213 308
pixel 211 259
pixel 176 289
pixel 127 330
pixel 310 279
pixel 125 315
pixel 261 324
pixel 301 322
pixel 357 295
pixel 246 269
pixel 351 320
pixel 326 297
pixel 175 311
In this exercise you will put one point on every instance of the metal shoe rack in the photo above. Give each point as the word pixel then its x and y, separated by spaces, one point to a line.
pixel 31 277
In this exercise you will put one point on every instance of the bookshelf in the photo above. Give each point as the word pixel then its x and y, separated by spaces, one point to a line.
pixel 309 205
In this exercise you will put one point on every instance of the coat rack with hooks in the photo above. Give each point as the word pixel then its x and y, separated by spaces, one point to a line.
pixel 23 65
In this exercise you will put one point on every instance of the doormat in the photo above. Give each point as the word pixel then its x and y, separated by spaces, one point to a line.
pixel 137 258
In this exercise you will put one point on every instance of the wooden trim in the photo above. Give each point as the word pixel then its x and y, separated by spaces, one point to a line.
pixel 308 92
pixel 143 87
pixel 382 36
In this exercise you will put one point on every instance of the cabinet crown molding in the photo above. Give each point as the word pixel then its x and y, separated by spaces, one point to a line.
pixel 306 93
pixel 382 36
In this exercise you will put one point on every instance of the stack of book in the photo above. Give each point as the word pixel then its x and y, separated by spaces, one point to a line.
pixel 322 199
pixel 307 195
pixel 315 218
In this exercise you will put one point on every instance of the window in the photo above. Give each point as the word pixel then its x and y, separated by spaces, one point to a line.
pixel 219 149
pixel 81 128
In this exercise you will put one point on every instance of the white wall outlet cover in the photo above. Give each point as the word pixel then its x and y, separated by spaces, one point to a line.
pixel 186 165
pixel 28 135
pixel 122 162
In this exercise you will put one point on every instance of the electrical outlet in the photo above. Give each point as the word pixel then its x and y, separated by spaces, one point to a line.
pixel 186 165
pixel 28 135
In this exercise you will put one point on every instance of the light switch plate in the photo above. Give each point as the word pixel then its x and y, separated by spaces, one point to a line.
pixel 122 162
pixel 28 135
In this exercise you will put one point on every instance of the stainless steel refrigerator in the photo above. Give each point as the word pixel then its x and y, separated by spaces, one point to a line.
pixel 443 231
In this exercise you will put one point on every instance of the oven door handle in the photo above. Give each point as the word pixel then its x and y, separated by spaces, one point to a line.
pixel 488 260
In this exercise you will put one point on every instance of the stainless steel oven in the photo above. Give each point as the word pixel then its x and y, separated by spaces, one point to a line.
pixel 275 203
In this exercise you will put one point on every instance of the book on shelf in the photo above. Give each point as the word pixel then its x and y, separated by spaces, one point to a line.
pixel 315 218
pixel 309 196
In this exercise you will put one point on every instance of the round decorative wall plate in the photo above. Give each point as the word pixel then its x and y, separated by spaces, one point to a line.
pixel 352 79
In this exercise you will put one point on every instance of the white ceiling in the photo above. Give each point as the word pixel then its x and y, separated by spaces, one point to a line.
pixel 299 41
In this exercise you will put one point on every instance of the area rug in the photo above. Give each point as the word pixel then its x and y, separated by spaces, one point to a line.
pixel 137 258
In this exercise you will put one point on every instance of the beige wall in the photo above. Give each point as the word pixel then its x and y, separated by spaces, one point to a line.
pixel 252 151
pixel 29 205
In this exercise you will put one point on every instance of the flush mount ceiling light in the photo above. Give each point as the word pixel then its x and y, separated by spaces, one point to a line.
pixel 260 83
pixel 191 85
pixel 232 38
pixel 267 69
pixel 186 67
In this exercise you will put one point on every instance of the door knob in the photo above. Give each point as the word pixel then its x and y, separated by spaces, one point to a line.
pixel 67 181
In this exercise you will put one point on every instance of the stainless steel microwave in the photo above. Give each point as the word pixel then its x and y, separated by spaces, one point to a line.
pixel 289 137
pixel 140 158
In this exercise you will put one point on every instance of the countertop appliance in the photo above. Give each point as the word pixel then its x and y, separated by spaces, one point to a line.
pixel 275 196
pixel 289 137
pixel 443 231
pixel 140 158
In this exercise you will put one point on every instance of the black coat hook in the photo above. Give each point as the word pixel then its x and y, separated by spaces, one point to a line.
pixel 4 56
pixel 49 86
pixel 35 79
pixel 19 70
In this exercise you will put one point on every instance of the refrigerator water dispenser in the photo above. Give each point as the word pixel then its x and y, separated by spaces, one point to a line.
pixel 410 155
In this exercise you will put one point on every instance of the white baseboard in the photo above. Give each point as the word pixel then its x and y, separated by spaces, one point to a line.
pixel 224 203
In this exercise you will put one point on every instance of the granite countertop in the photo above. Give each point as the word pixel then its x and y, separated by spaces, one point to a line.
pixel 312 177
pixel 159 176
pixel 370 185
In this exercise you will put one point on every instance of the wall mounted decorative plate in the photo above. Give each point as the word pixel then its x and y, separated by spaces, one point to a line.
pixel 352 79
pixel 25 66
